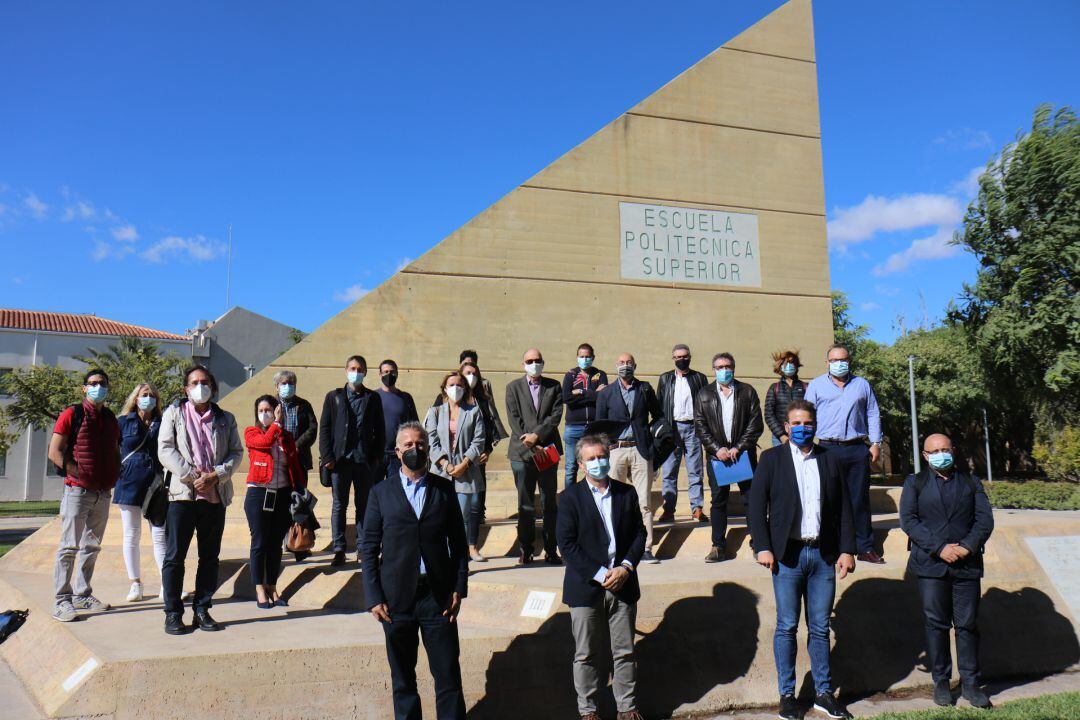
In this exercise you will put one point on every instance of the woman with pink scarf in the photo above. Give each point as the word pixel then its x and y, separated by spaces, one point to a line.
pixel 199 446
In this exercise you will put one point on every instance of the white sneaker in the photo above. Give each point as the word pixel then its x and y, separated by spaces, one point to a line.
pixel 135 593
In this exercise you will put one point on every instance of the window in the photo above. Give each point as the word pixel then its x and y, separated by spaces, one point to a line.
pixel 3 464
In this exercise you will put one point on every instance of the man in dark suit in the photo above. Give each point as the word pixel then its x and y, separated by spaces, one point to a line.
pixel 802 525
pixel 727 417
pixel 947 517
pixel 602 538
pixel 351 447
pixel 633 404
pixel 534 408
pixel 418 582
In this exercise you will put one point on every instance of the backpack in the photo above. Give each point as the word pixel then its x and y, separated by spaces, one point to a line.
pixel 10 621
pixel 78 413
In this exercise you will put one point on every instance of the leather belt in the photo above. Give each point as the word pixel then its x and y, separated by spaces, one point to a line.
pixel 685 422
pixel 624 443
pixel 832 441
pixel 805 542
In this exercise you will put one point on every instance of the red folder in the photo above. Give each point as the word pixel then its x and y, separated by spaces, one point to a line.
pixel 546 458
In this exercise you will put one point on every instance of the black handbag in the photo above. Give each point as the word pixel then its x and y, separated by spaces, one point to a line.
pixel 324 476
pixel 663 441
pixel 155 505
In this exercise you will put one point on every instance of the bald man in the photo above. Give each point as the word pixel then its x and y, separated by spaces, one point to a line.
pixel 946 514
pixel 633 404
pixel 534 408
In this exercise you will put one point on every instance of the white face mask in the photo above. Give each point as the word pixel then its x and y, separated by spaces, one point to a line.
pixel 199 394
pixel 266 417
pixel 471 379
pixel 534 369
pixel 455 392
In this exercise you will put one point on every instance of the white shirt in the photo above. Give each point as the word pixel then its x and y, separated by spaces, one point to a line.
pixel 727 408
pixel 602 498
pixel 809 484
pixel 683 408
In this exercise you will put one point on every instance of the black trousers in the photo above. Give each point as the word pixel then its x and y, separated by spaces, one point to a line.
pixel 855 465
pixel 182 522
pixel 356 479
pixel 718 513
pixel 424 618
pixel 950 602
pixel 268 529
pixel 527 477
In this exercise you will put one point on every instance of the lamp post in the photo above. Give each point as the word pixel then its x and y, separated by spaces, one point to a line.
pixel 986 429
pixel 914 417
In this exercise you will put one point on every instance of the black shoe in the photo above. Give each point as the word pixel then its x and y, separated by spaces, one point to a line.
pixel 943 693
pixel 552 558
pixel 830 706
pixel 789 708
pixel 339 559
pixel 716 555
pixel 974 695
pixel 302 555
pixel 524 558
pixel 203 621
pixel 174 624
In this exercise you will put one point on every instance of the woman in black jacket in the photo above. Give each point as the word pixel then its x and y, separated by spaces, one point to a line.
pixel 780 394
pixel 298 417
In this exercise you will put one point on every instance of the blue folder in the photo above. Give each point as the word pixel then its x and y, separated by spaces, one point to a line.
pixel 727 473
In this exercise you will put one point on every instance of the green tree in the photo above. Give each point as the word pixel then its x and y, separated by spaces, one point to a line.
pixel 40 392
pixel 1022 314
pixel 134 361
pixel 845 331
pixel 8 437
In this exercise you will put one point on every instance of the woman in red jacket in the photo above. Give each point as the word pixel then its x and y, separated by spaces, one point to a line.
pixel 274 474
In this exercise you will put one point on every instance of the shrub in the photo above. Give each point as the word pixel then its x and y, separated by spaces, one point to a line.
pixel 1034 495
pixel 1059 455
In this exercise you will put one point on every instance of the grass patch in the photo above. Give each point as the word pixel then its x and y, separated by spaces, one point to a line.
pixel 1035 495
pixel 29 508
pixel 1048 707
pixel 4 549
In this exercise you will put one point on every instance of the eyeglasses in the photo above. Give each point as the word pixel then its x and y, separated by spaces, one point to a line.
pixel 96 383
pixel 532 361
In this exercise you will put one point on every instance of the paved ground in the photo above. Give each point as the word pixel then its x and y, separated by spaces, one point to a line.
pixel 14 530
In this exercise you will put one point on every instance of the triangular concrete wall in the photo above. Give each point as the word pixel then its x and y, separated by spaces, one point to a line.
pixel 739 131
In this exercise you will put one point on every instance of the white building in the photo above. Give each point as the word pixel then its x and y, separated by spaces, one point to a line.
pixel 46 338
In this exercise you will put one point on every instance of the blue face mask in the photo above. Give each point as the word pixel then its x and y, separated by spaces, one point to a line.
pixel 802 435
pixel 355 378
pixel 724 376
pixel 584 362
pixel 941 460
pixel 147 403
pixel 839 368
pixel 788 369
pixel 97 393
pixel 286 390
pixel 598 469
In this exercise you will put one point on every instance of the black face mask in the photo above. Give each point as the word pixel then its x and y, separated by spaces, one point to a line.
pixel 683 364
pixel 415 458
pixel 389 380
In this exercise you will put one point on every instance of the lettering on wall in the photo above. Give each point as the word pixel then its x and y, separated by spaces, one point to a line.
pixel 689 245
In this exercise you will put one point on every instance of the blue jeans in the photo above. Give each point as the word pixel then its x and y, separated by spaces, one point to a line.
pixel 571 435
pixel 469 504
pixel 803 574
pixel 690 446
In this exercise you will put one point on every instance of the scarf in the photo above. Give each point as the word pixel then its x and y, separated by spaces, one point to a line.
pixel 201 442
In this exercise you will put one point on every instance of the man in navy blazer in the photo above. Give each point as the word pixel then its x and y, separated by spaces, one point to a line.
pixel 947 517
pixel 633 404
pixel 602 539
pixel 416 572
pixel 803 531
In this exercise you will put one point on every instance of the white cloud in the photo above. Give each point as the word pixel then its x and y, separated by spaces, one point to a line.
pixel 36 207
pixel 103 251
pixel 965 139
pixel 937 246
pixel 968 188
pixel 196 248
pixel 125 233
pixel 80 209
pixel 403 263
pixel 351 294
pixel 878 214
pixel 886 290
pixel 869 306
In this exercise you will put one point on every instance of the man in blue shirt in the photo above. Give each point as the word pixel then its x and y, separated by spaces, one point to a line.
pixel 848 416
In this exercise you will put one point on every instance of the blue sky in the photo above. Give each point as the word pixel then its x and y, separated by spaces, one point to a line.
pixel 341 139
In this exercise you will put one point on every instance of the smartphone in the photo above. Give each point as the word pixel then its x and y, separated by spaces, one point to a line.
pixel 270 501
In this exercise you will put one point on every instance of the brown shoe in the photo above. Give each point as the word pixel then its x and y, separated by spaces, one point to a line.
pixel 666 517
pixel 629 715
pixel 871 557
pixel 700 516
pixel 590 716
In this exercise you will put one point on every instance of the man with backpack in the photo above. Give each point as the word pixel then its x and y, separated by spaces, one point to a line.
pixel 86 446
pixel 946 514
